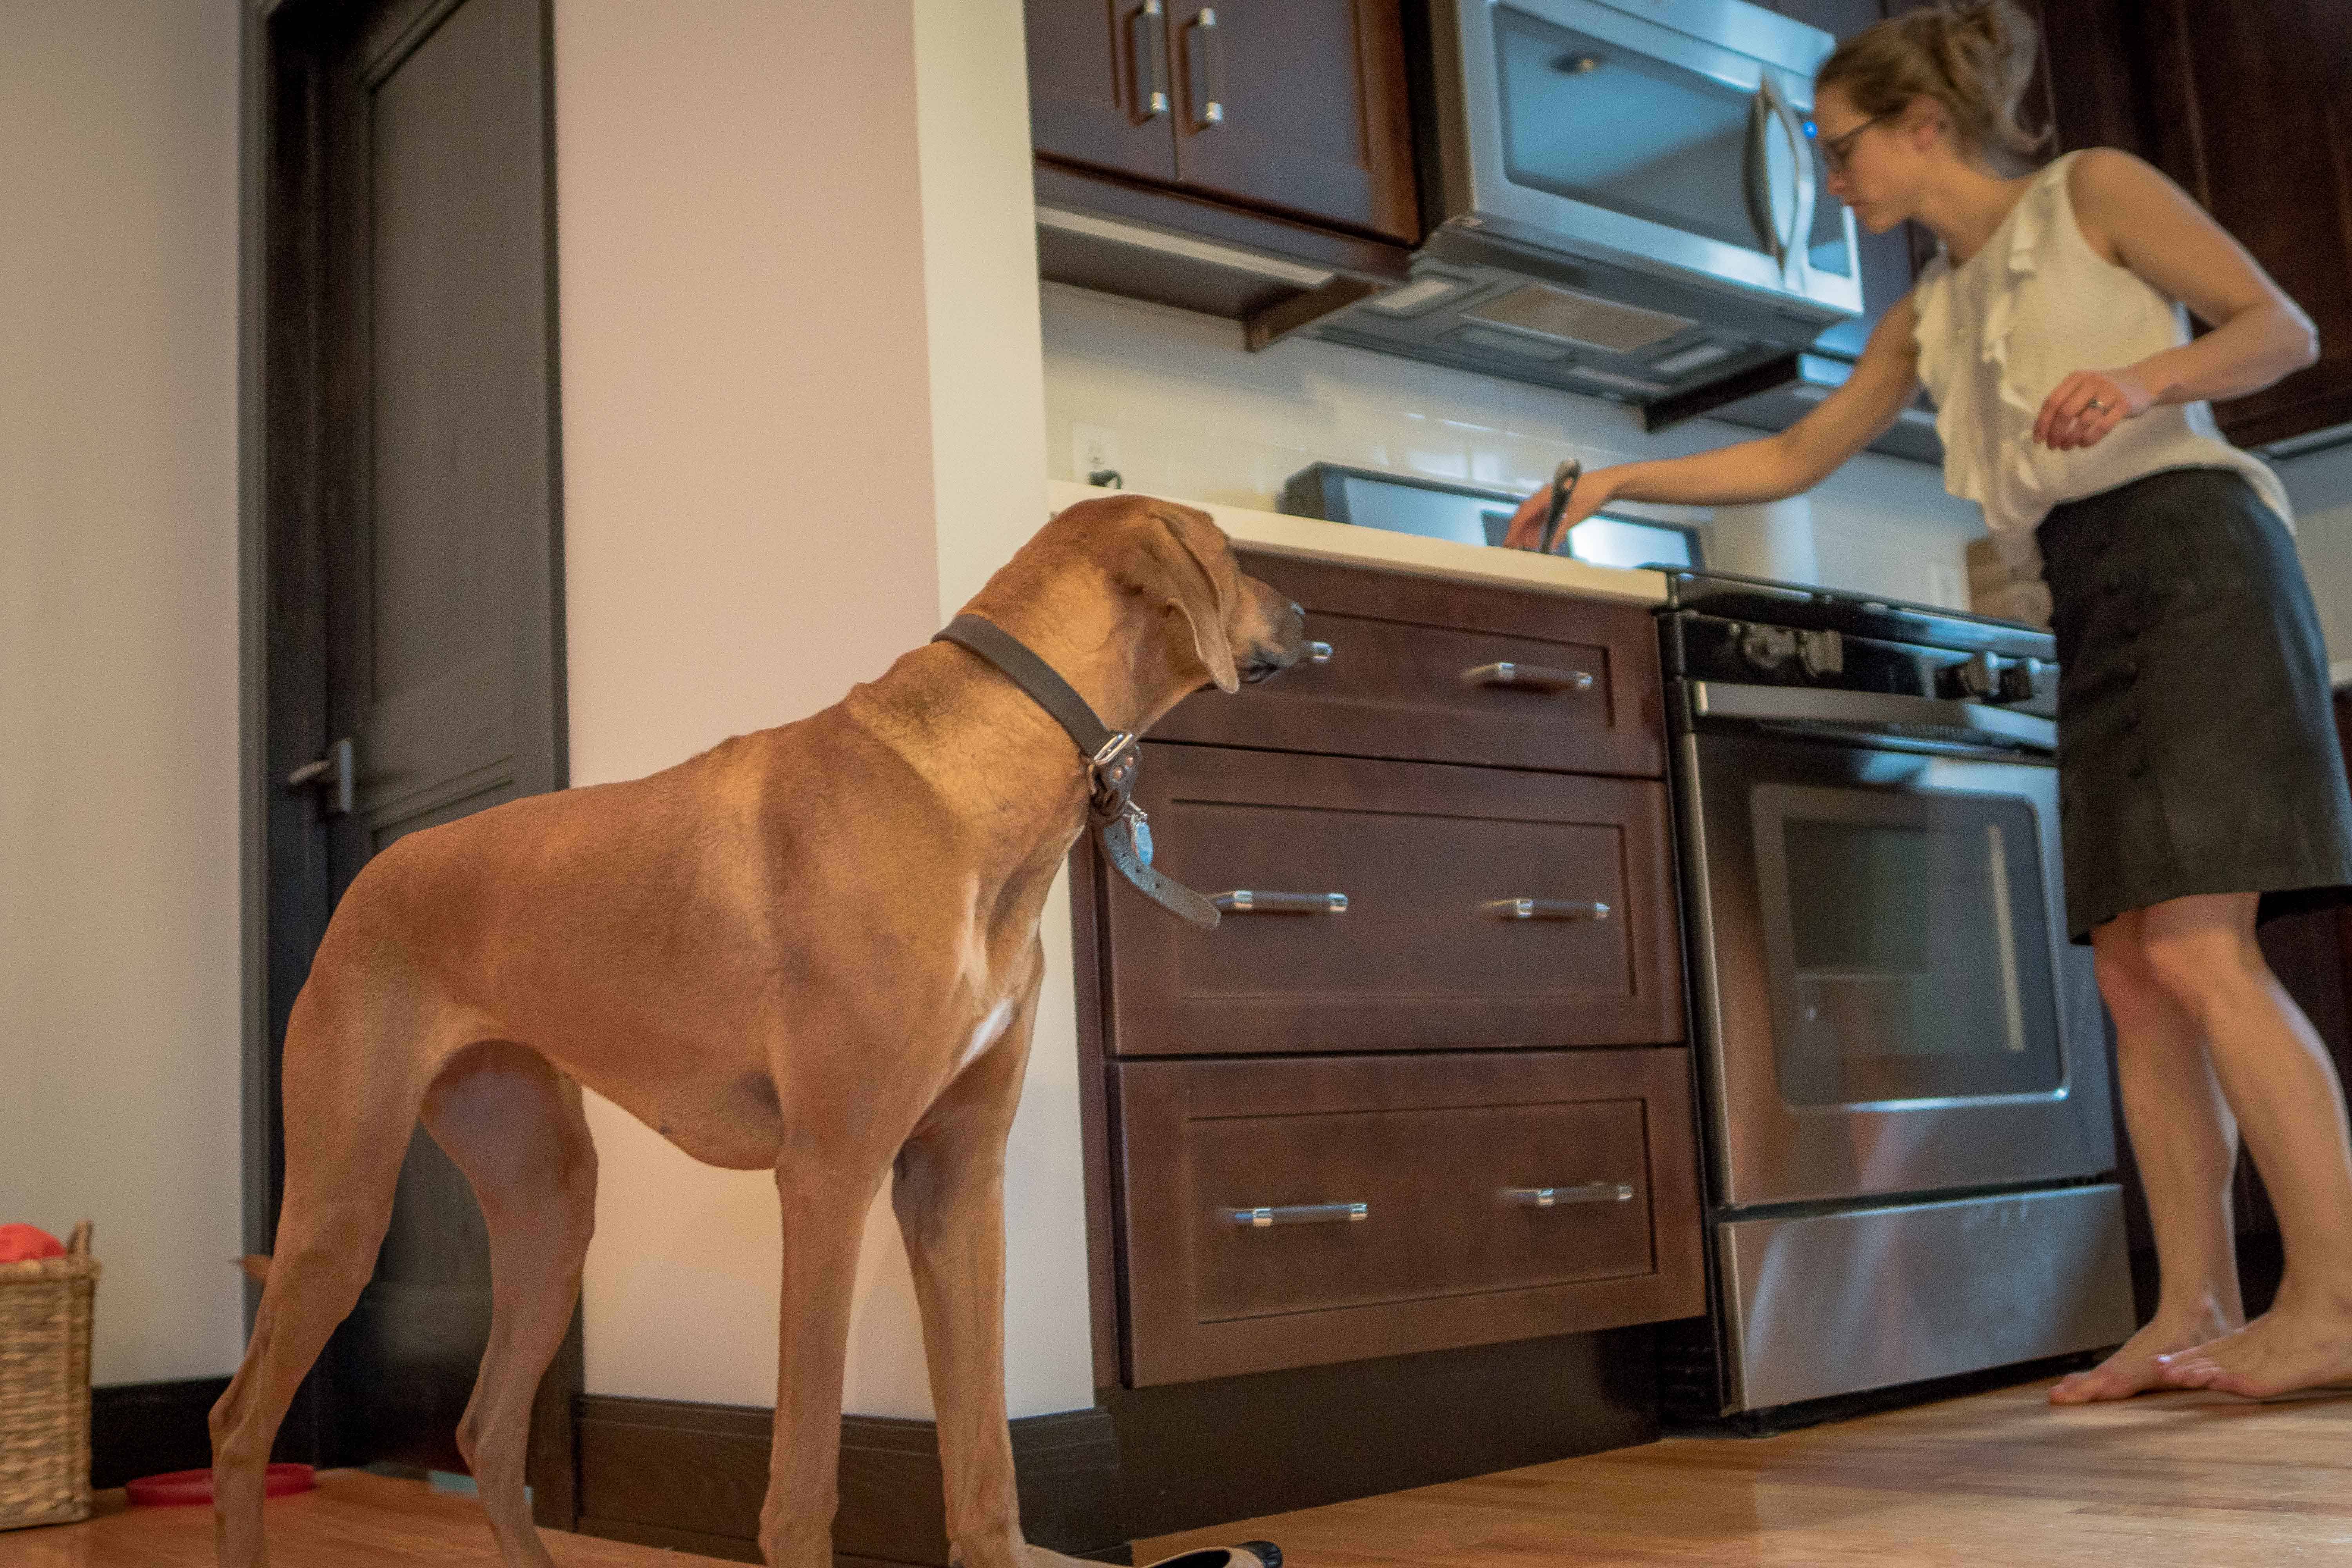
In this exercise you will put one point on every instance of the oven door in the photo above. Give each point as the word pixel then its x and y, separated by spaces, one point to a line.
pixel 1676 139
pixel 1883 978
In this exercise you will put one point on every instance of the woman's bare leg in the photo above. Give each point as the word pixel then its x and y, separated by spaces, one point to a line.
pixel 2279 1081
pixel 2186 1143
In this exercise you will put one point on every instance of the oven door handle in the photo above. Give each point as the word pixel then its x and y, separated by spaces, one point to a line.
pixel 1894 715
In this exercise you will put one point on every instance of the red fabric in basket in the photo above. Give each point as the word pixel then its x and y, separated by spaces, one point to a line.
pixel 181 1487
pixel 27 1243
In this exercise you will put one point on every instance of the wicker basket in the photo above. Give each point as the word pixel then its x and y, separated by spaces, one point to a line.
pixel 45 1309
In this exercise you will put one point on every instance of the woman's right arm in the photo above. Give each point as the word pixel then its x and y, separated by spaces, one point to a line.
pixel 1769 468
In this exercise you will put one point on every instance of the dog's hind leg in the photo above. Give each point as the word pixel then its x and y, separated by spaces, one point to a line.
pixel 513 1124
pixel 357 1058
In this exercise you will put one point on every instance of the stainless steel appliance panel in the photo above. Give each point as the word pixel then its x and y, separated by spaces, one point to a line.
pixel 1922 1102
pixel 1673 140
pixel 1868 1299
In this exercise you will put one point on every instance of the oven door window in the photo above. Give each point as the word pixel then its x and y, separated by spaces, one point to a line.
pixel 1908 944
pixel 1633 132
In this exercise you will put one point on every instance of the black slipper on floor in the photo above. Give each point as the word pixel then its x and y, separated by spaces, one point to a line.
pixel 1248 1554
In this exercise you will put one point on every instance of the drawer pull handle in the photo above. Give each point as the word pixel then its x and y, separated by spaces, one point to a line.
pixel 1554 1197
pixel 1319 653
pixel 1528 677
pixel 1301 1214
pixel 1245 902
pixel 1546 909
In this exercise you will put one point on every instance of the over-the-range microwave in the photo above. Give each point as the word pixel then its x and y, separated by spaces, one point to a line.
pixel 1622 196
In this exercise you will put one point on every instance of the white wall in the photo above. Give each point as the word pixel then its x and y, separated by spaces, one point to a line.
pixel 1193 414
pixel 803 419
pixel 120 967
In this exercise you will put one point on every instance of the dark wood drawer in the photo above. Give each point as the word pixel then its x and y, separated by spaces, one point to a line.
pixel 1450 1158
pixel 1403 677
pixel 1424 954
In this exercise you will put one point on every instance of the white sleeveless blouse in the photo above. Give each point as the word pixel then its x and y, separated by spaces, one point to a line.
pixel 2000 331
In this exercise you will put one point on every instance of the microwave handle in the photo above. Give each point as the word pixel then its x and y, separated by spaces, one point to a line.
pixel 1768 114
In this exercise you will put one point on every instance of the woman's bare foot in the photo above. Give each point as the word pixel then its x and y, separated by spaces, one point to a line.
pixel 2138 1366
pixel 2303 1342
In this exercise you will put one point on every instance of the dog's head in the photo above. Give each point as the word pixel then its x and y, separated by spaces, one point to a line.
pixel 1217 624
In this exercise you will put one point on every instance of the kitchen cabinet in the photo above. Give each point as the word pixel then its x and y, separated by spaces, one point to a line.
pixel 1292 107
pixel 2249 107
pixel 1297 1213
pixel 1447 986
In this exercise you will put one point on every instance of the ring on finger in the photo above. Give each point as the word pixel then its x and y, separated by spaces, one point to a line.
pixel 2096 406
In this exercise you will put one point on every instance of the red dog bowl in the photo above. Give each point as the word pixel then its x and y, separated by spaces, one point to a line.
pixel 183 1487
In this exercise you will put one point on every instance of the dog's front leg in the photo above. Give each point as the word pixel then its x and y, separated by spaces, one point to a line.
pixel 825 1192
pixel 950 1199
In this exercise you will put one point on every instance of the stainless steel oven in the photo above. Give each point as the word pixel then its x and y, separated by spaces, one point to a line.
pixel 1902 1057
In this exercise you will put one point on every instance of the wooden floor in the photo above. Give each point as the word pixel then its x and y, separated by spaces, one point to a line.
pixel 2195 1481
pixel 2174 1481
pixel 353 1519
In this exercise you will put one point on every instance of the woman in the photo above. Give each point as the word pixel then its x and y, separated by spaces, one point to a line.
pixel 2199 781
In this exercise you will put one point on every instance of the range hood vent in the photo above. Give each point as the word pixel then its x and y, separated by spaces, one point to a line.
pixel 1580 320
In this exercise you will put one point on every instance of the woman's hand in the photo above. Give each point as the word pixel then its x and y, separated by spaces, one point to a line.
pixel 2085 407
pixel 1591 493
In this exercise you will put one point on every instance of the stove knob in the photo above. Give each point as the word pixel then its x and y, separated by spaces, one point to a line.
pixel 1971 680
pixel 1767 647
pixel 2017 678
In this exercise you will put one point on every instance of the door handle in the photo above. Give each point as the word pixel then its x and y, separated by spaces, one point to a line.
pixel 1300 1214
pixel 1245 902
pixel 1546 909
pixel 1205 70
pixel 1528 677
pixel 1146 60
pixel 337 772
pixel 1559 1197
pixel 1319 653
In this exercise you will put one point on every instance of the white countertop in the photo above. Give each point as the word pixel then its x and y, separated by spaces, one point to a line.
pixel 1318 539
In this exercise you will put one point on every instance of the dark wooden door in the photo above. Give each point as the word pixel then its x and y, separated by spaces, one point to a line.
pixel 1099 89
pixel 415 581
pixel 1298 105
pixel 2249 107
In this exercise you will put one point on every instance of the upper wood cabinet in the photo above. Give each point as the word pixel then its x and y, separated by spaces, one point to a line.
pixel 1294 107
pixel 2249 107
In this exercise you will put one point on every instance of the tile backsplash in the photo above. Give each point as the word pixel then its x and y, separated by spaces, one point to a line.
pixel 1175 403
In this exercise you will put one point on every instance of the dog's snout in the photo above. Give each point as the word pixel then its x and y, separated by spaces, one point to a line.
pixel 1285 646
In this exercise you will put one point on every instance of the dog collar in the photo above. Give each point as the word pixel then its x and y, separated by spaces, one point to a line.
pixel 1124 832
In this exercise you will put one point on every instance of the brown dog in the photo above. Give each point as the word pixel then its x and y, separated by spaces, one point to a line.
pixel 812 950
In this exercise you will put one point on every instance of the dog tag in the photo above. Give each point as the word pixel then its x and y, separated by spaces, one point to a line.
pixel 1139 827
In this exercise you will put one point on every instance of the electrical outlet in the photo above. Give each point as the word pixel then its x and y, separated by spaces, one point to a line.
pixel 1093 448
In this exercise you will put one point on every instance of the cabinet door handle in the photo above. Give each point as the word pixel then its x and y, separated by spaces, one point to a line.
pixel 1557 1197
pixel 1319 653
pixel 1205 70
pixel 1300 1214
pixel 1245 902
pixel 1528 677
pixel 1546 909
pixel 1147 59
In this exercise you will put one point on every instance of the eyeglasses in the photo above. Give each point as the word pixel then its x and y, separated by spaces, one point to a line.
pixel 1836 150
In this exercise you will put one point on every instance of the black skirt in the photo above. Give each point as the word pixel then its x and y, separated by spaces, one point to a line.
pixel 2197 748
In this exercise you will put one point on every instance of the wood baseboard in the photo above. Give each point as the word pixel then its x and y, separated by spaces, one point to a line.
pixel 1145 1462
pixel 148 1428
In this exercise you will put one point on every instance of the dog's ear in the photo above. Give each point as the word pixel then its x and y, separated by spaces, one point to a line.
pixel 1189 550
